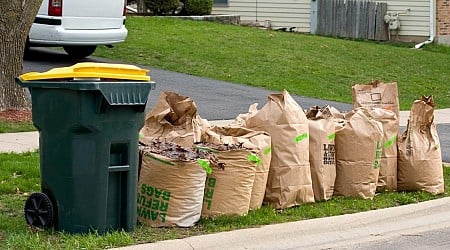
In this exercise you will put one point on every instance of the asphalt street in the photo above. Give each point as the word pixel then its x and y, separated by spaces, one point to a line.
pixel 216 100
pixel 432 240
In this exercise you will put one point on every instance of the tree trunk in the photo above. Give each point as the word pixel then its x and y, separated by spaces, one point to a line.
pixel 15 21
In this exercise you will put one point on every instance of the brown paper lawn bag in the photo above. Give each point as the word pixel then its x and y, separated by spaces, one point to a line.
pixel 358 154
pixel 289 182
pixel 258 147
pixel 174 119
pixel 387 179
pixel 420 158
pixel 322 151
pixel 171 187
pixel 376 94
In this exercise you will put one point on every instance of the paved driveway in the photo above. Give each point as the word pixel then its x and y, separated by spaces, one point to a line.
pixel 216 100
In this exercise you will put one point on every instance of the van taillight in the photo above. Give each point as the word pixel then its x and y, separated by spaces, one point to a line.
pixel 55 7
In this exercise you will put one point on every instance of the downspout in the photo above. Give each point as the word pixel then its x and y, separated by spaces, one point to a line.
pixel 432 25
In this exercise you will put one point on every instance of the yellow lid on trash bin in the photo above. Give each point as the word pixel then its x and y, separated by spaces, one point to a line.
pixel 91 70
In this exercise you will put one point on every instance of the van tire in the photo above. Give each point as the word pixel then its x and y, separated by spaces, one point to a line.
pixel 79 52
pixel 26 51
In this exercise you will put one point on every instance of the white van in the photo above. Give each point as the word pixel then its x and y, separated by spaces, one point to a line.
pixel 79 25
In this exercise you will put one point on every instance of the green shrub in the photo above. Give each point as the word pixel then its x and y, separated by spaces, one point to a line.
pixel 197 7
pixel 162 7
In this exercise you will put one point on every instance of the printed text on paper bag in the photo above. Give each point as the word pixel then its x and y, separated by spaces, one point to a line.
pixel 209 191
pixel 152 203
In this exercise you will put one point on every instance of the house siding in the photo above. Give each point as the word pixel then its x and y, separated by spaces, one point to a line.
pixel 281 13
pixel 416 21
pixel 296 13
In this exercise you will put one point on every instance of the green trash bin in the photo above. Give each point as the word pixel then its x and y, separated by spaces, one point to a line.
pixel 88 130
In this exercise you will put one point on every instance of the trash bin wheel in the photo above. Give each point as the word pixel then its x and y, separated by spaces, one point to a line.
pixel 39 210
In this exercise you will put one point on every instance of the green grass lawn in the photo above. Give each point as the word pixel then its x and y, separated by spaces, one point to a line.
pixel 307 65
pixel 15 127
pixel 19 176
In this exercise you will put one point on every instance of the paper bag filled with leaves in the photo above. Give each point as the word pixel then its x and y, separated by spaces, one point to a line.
pixel 171 184
pixel 387 179
pixel 228 190
pixel 376 94
pixel 420 159
pixel 358 155
pixel 289 183
pixel 174 119
pixel 256 143
pixel 322 151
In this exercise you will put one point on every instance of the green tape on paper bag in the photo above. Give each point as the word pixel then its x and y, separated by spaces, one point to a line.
pixel 268 150
pixel 390 141
pixel 254 158
pixel 301 137
pixel 141 136
pixel 331 136
pixel 377 162
pixel 205 164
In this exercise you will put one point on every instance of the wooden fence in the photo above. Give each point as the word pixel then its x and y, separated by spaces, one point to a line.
pixel 352 19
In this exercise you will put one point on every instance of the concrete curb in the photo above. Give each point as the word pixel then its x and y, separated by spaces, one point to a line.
pixel 323 233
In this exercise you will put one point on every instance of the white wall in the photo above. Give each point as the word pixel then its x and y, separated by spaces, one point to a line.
pixel 281 13
pixel 417 21
pixel 296 13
